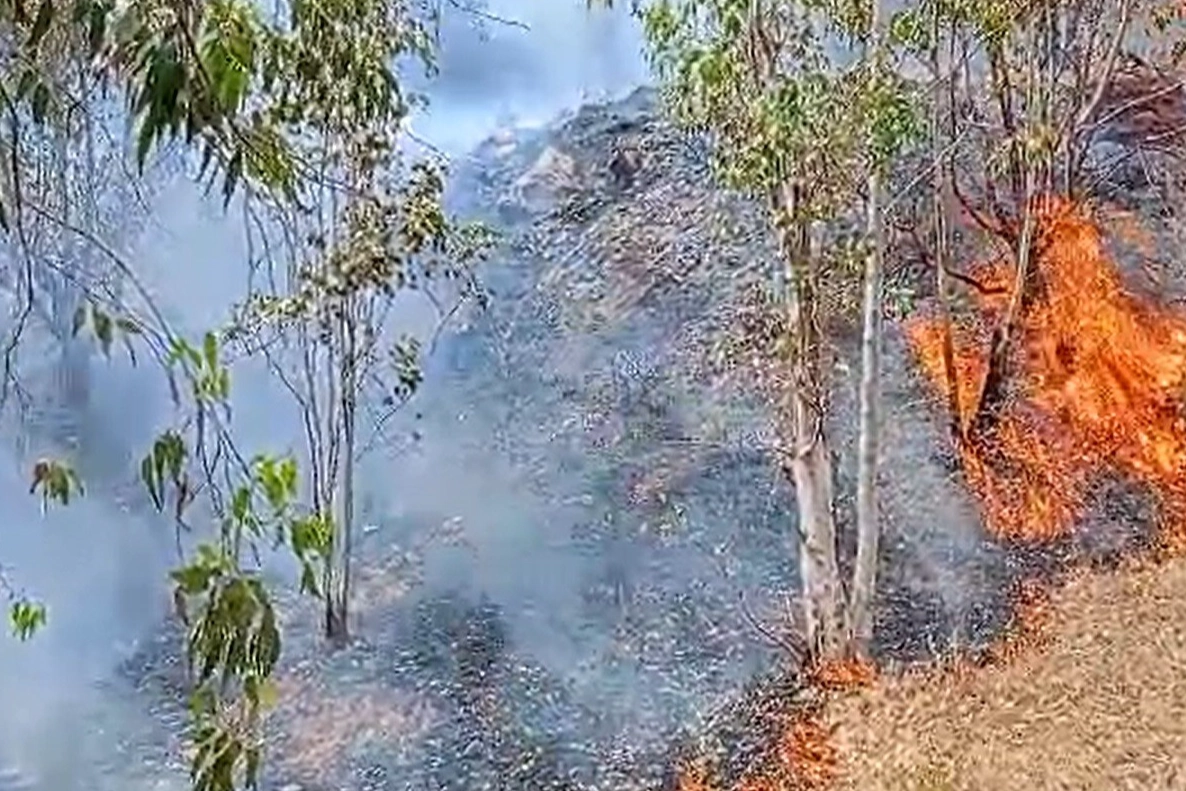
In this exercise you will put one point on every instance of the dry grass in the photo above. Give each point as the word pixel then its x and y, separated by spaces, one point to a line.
pixel 1097 703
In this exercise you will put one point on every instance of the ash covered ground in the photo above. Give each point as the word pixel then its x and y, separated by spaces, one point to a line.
pixel 616 526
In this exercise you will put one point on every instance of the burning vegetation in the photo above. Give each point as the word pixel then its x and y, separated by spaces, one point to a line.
pixel 1097 377
pixel 1094 391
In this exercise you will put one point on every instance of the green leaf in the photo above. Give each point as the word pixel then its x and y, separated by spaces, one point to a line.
pixel 56 481
pixel 152 482
pixel 193 579
pixel 210 349
pixel 241 504
pixel 25 618
pixel 79 320
pixel 103 330
pixel 129 326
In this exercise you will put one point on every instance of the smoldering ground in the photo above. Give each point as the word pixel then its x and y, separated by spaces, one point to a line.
pixel 589 614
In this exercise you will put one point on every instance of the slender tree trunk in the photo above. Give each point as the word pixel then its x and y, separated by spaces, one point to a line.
pixel 350 422
pixel 1026 281
pixel 864 580
pixel 338 626
pixel 939 208
pixel 807 460
pixel 811 472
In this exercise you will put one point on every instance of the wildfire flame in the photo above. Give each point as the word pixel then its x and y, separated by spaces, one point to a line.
pixel 1100 374
pixel 808 753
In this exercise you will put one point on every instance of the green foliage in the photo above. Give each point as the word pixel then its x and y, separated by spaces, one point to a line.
pixel 234 639
pixel 759 77
pixel 234 644
pixel 106 328
pixel 210 379
pixel 280 105
pixel 222 77
pixel 56 481
pixel 894 121
pixel 25 618
pixel 405 363
pixel 912 29
pixel 163 465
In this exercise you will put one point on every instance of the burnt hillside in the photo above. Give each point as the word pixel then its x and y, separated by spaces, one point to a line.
pixel 616 522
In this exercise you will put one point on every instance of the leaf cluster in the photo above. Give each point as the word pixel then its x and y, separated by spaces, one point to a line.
pixel 759 79
pixel 25 617
pixel 234 639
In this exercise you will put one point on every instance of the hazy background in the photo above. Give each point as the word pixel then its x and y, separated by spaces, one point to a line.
pixel 555 56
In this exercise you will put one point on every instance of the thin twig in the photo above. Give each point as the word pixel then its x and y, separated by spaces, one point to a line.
pixel 488 15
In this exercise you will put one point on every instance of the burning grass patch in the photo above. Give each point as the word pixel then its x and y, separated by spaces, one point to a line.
pixel 1084 690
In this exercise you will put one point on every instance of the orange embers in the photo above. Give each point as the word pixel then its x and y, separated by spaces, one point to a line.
pixel 808 755
pixel 694 777
pixel 804 758
pixel 841 675
pixel 1099 373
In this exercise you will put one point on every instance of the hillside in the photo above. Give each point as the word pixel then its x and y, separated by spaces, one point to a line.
pixel 573 428
pixel 571 581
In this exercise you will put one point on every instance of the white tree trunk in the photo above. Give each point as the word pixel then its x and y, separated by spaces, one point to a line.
pixel 811 472
pixel 808 461
pixel 350 390
pixel 338 597
pixel 864 582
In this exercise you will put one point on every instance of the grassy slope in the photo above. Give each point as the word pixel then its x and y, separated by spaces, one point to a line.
pixel 1098 703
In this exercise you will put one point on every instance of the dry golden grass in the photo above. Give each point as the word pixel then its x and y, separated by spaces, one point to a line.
pixel 1099 702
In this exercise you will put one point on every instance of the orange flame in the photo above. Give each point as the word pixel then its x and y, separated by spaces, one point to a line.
pixel 1100 374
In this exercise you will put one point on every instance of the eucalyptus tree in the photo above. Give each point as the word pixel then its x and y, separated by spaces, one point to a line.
pixel 339 271
pixel 800 112
pixel 1035 109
